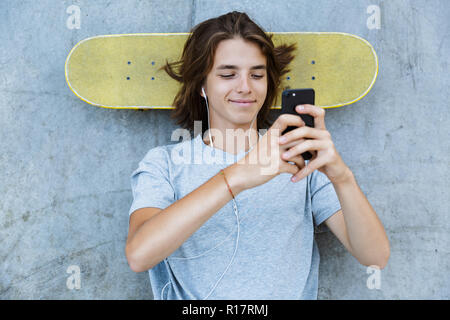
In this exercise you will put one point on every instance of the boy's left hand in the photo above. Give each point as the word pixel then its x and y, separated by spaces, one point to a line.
pixel 325 157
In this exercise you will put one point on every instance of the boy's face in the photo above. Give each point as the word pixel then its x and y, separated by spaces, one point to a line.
pixel 225 85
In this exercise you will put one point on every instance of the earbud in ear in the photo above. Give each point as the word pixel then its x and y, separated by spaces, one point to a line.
pixel 204 94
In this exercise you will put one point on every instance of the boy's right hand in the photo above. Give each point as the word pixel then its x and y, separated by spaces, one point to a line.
pixel 264 161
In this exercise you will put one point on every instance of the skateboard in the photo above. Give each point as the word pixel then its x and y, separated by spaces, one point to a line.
pixel 121 71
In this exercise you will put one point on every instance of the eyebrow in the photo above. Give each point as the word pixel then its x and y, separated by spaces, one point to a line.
pixel 228 66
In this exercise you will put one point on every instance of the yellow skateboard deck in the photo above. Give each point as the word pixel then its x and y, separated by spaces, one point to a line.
pixel 121 71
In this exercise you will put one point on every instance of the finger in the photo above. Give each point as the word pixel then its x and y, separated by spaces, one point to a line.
pixel 308 169
pixel 285 120
pixel 317 113
pixel 290 168
pixel 308 145
pixel 287 145
pixel 298 161
pixel 305 132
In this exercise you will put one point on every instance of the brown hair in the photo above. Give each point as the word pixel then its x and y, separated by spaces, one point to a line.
pixel 198 59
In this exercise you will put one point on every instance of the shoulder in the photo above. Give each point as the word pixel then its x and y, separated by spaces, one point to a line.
pixel 169 153
pixel 156 153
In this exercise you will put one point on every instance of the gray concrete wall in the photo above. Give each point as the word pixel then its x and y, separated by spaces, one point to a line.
pixel 65 165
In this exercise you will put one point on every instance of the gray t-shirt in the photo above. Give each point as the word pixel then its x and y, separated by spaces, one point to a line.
pixel 270 254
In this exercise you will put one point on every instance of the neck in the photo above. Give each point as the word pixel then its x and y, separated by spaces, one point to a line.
pixel 233 141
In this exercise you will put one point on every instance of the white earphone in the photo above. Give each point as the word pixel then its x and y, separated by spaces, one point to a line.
pixel 209 126
pixel 236 213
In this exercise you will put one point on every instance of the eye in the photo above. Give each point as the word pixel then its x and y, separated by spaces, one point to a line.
pixel 230 75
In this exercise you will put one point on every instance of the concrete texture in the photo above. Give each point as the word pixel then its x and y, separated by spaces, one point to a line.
pixel 65 165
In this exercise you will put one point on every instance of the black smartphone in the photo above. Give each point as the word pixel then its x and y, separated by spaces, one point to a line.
pixel 292 98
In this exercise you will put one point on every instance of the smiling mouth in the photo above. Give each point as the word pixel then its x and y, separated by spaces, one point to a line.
pixel 243 103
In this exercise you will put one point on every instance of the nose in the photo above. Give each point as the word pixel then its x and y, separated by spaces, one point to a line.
pixel 243 85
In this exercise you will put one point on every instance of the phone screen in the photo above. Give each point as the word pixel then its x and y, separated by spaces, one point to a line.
pixel 292 98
